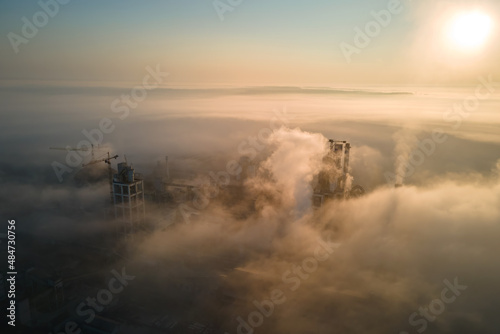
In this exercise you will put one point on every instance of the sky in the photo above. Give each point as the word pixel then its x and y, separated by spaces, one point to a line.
pixel 419 101
pixel 256 43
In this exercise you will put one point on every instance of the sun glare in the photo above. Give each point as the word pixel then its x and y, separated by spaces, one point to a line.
pixel 470 30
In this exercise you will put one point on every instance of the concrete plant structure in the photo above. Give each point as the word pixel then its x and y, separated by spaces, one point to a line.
pixel 128 197
pixel 334 180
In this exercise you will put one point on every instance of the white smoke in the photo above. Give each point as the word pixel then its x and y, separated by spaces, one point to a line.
pixel 406 140
pixel 496 169
pixel 296 158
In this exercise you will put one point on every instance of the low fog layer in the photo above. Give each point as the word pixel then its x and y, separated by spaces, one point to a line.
pixel 383 256
pixel 393 251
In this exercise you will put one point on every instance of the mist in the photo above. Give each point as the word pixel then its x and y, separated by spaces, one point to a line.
pixel 360 265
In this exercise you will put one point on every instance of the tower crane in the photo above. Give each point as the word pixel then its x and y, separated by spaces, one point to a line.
pixel 110 170
pixel 106 160
pixel 84 149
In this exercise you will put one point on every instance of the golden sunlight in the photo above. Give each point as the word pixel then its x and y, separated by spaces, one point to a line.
pixel 470 30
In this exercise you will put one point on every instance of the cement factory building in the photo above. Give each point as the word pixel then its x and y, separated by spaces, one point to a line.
pixel 128 197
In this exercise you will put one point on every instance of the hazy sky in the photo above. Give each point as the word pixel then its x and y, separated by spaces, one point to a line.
pixel 388 96
pixel 258 42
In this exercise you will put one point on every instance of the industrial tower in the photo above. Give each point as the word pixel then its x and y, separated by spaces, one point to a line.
pixel 334 181
pixel 128 197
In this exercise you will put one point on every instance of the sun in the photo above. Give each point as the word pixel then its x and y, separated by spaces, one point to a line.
pixel 470 30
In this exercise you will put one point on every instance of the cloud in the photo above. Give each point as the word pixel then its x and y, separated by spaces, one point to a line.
pixel 397 246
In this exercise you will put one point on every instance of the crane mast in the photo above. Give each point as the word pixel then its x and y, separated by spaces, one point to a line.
pixel 110 171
